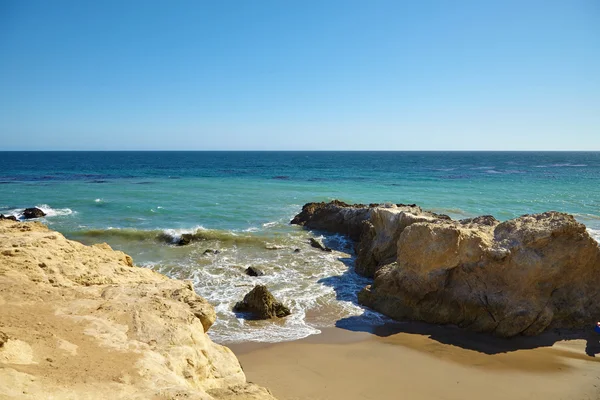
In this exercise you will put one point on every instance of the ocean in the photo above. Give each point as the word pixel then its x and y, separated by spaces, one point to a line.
pixel 240 203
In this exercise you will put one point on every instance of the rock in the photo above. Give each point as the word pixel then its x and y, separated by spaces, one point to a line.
pixel 138 333
pixel 522 276
pixel 8 217
pixel 33 212
pixel 185 239
pixel 3 338
pixel 261 304
pixel 296 250
pixel 318 245
pixel 211 251
pixel 253 271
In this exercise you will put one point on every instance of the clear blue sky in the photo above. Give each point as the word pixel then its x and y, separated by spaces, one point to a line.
pixel 300 75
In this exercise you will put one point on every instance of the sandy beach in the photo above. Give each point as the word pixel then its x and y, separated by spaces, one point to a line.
pixel 424 365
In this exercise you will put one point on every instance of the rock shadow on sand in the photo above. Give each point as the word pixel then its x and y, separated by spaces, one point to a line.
pixel 480 342
pixel 347 285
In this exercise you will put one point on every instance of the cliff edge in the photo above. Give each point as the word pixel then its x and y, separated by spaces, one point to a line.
pixel 82 322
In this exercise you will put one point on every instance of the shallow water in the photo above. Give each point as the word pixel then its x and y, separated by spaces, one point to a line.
pixel 241 203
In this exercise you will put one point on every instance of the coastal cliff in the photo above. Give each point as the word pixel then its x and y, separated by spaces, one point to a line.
pixel 82 322
pixel 522 276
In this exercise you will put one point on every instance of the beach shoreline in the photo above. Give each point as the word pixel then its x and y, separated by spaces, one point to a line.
pixel 346 364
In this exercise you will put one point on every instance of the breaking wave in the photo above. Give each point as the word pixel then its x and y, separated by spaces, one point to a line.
pixel 49 211
pixel 173 236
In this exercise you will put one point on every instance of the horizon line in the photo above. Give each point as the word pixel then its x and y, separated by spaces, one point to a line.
pixel 296 151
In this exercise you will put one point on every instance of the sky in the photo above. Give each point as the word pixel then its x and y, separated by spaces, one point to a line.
pixel 300 75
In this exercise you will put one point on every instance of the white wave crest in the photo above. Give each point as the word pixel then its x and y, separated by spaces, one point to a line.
pixel 559 165
pixel 595 233
pixel 175 234
pixel 51 212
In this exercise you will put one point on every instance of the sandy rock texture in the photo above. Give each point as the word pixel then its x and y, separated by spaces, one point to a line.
pixel 82 322
pixel 521 276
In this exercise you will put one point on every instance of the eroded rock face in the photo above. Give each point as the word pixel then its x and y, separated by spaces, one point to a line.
pixel 83 321
pixel 377 245
pixel 261 304
pixel 521 276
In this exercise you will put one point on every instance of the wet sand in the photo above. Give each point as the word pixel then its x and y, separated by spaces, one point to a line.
pixel 345 364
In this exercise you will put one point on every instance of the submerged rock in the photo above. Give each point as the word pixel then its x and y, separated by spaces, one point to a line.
pixel 522 276
pixel 253 271
pixel 33 212
pixel 211 251
pixel 261 304
pixel 318 245
pixel 185 239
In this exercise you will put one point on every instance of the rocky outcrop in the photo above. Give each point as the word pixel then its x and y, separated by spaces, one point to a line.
pixel 521 276
pixel 84 322
pixel 261 304
pixel 375 228
pixel 34 212
pixel 8 217
pixel 335 216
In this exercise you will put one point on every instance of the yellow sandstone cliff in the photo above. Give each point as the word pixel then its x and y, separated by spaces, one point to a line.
pixel 82 322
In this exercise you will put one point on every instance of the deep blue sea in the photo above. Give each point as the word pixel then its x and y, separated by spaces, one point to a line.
pixel 240 203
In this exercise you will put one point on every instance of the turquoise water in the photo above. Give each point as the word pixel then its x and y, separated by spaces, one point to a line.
pixel 241 202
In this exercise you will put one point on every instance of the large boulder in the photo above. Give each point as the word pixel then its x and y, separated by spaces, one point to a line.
pixel 84 322
pixel 33 212
pixel 521 276
pixel 261 304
